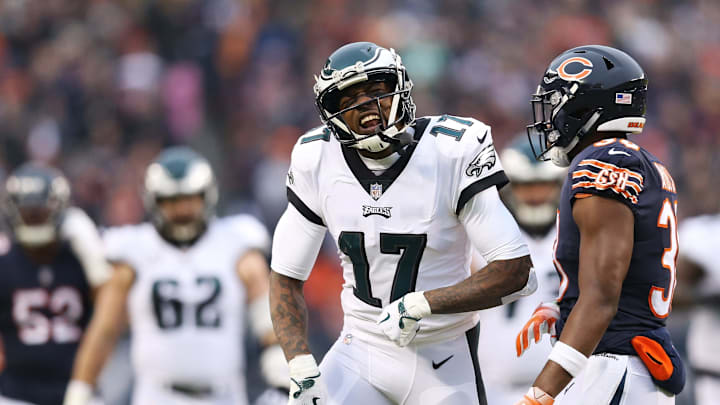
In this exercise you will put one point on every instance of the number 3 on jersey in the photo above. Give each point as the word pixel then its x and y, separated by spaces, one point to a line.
pixel 409 246
pixel 660 299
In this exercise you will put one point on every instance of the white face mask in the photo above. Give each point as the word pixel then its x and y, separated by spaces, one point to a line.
pixel 35 235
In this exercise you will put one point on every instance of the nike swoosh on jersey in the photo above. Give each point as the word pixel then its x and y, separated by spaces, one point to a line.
pixel 482 140
pixel 612 151
pixel 386 318
pixel 438 365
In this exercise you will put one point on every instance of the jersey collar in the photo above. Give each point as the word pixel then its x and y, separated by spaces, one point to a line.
pixel 367 178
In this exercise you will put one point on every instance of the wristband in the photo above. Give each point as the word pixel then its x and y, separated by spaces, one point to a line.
pixel 303 366
pixel 78 393
pixel 568 358
pixel 416 304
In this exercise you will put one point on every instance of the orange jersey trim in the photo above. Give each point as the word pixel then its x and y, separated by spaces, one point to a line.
pixel 610 166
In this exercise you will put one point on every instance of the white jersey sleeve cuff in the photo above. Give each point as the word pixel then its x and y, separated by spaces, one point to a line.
pixel 491 228
pixel 296 244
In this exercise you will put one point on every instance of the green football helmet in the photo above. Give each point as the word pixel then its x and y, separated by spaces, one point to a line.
pixel 179 171
pixel 356 63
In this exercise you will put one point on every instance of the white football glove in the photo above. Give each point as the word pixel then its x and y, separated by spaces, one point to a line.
pixel 78 393
pixel 306 387
pixel 542 321
pixel 399 320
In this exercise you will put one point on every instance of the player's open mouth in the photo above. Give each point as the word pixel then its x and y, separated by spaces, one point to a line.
pixel 370 122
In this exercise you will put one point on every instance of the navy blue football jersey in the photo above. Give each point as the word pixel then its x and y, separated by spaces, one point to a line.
pixel 44 310
pixel 621 170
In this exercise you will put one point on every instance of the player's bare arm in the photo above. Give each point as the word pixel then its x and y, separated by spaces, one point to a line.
pixel 483 289
pixel 289 314
pixel 253 271
pixel 606 243
pixel 108 322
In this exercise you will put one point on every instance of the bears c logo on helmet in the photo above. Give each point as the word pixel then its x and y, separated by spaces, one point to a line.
pixel 575 76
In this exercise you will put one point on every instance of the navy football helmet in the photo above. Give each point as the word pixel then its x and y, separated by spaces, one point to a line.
pixel 179 171
pixel 586 89
pixel 36 199
pixel 356 63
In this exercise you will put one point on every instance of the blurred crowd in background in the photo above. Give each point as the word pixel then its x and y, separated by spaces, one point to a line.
pixel 98 87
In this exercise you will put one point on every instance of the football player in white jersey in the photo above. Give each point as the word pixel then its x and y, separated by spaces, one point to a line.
pixel 406 201
pixel 532 197
pixel 699 276
pixel 186 283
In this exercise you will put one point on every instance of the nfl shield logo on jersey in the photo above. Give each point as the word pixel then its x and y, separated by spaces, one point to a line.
pixel 375 191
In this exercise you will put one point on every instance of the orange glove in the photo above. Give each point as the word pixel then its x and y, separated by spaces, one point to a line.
pixel 542 321
pixel 536 396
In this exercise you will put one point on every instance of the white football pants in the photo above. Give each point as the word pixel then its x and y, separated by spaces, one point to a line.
pixel 614 379
pixel 359 372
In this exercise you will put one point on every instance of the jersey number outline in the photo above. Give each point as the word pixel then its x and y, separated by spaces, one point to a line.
pixel 168 308
pixel 456 133
pixel 411 248
pixel 660 298
pixel 35 327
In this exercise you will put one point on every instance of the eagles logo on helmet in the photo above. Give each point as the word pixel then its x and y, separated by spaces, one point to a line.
pixel 180 172
pixel 357 63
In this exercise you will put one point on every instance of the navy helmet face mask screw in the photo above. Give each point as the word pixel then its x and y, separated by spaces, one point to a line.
pixel 361 62
pixel 36 199
pixel 180 172
pixel 585 90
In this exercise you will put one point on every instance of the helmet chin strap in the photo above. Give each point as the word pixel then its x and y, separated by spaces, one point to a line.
pixel 385 138
pixel 559 154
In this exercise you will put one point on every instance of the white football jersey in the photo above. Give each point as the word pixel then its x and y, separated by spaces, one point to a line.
pixel 699 243
pixel 398 231
pixel 187 306
pixel 506 376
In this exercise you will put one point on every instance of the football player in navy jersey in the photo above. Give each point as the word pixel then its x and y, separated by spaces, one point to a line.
pixel 50 269
pixel 617 239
